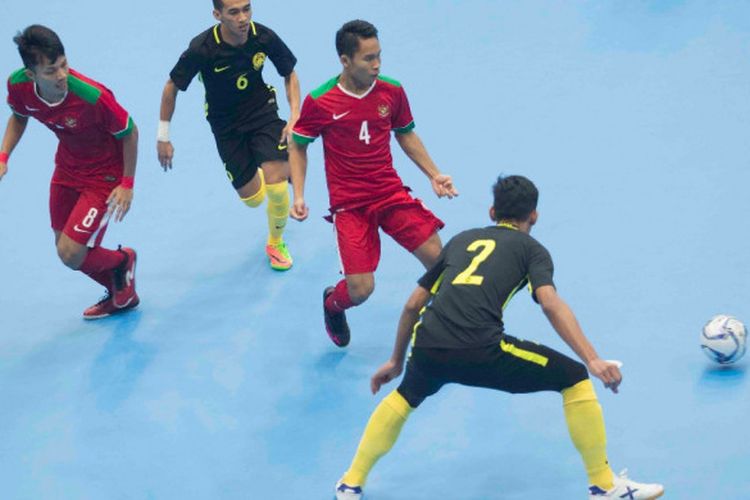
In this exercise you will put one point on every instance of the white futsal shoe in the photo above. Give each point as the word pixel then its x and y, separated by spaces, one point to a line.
pixel 346 492
pixel 627 490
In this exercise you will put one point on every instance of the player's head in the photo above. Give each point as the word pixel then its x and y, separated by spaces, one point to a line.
pixel 43 56
pixel 359 51
pixel 515 199
pixel 234 15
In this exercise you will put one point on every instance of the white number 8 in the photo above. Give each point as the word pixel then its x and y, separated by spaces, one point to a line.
pixel 90 218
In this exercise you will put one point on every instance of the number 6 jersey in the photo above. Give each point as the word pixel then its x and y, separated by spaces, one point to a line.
pixel 356 131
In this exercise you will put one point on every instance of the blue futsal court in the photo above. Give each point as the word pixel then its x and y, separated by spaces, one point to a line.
pixel 631 117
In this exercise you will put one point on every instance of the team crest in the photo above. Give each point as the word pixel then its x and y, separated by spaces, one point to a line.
pixel 383 110
pixel 258 59
pixel 71 122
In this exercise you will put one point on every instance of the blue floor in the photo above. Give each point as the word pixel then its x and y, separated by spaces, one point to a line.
pixel 631 117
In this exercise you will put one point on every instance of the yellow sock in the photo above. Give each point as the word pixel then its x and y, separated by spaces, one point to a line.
pixel 586 426
pixel 278 210
pixel 256 199
pixel 380 434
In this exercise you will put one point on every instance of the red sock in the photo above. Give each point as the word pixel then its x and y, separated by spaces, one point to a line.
pixel 99 263
pixel 339 300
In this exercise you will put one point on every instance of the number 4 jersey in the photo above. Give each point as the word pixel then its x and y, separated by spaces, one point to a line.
pixel 476 275
pixel 356 131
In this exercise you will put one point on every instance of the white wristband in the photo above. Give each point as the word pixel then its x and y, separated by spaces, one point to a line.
pixel 162 135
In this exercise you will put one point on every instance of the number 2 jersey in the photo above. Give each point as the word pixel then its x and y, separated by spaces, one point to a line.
pixel 476 275
pixel 356 131
pixel 88 122
pixel 235 90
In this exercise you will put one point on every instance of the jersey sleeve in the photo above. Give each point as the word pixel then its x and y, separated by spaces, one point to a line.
pixel 541 268
pixel 281 56
pixel 311 121
pixel 14 101
pixel 187 67
pixel 432 278
pixel 116 120
pixel 401 119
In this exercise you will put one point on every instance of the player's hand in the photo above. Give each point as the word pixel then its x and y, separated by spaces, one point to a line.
pixel 607 372
pixel 165 152
pixel 286 134
pixel 3 170
pixel 385 374
pixel 299 210
pixel 442 184
pixel 119 202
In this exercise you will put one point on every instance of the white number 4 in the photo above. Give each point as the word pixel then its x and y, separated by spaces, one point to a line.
pixel 364 133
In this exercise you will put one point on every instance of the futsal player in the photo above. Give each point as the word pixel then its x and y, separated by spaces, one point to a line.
pixel 355 113
pixel 455 321
pixel 242 111
pixel 94 164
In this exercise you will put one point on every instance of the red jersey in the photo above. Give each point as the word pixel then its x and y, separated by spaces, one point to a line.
pixel 88 122
pixel 356 131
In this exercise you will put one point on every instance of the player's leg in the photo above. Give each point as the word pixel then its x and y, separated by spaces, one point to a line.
pixel 359 250
pixel 413 226
pixel 420 381
pixel 274 161
pixel 78 233
pixel 241 167
pixel 519 366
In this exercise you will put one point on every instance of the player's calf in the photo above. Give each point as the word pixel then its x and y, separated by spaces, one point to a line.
pixel 124 280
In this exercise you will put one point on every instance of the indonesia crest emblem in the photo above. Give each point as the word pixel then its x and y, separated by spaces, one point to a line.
pixel 383 110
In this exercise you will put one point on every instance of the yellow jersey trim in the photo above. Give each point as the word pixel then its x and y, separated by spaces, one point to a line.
pixel 216 35
pixel 252 26
pixel 523 353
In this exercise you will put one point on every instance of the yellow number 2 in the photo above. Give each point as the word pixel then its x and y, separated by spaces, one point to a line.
pixel 467 276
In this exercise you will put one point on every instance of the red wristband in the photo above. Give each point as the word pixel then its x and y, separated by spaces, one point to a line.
pixel 4 157
pixel 127 182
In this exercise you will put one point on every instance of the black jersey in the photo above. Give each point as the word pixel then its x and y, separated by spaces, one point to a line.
pixel 476 275
pixel 235 90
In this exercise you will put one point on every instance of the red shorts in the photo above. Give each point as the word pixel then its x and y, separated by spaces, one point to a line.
pixel 80 213
pixel 404 218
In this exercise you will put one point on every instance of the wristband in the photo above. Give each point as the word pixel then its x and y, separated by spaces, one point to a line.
pixel 162 134
pixel 127 182
pixel 4 157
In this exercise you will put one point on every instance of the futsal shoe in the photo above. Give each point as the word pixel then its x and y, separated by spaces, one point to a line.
pixel 346 492
pixel 106 307
pixel 627 489
pixel 124 280
pixel 336 325
pixel 279 257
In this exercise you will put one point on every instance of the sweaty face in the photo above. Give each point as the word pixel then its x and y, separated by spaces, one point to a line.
pixel 51 78
pixel 235 16
pixel 364 66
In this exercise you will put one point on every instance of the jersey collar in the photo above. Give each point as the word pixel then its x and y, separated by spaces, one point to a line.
pixel 507 225
pixel 50 104
pixel 352 94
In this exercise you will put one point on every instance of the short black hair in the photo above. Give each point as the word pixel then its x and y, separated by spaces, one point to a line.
pixel 36 43
pixel 348 36
pixel 515 197
pixel 218 5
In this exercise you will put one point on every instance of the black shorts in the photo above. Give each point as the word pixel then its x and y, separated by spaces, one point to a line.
pixel 243 151
pixel 515 366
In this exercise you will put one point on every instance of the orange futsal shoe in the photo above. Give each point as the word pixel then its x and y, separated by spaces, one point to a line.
pixel 278 257
pixel 124 279
pixel 106 307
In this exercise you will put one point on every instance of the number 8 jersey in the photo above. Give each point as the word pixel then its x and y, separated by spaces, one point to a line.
pixel 356 131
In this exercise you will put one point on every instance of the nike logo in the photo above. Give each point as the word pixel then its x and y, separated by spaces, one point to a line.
pixel 281 147
pixel 223 68
pixel 336 117
pixel 79 230
pixel 129 276
pixel 30 109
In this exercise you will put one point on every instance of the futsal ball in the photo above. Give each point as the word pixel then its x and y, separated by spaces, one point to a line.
pixel 724 339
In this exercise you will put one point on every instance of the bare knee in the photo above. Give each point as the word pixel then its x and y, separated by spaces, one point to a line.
pixel 72 255
pixel 360 290
pixel 429 251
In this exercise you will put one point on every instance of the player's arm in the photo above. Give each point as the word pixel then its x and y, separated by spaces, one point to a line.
pixel 562 319
pixel 409 317
pixel 412 145
pixel 13 133
pixel 164 146
pixel 121 197
pixel 291 85
pixel 298 167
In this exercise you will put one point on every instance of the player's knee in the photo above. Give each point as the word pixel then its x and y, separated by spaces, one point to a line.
pixel 256 199
pixel 69 256
pixel 359 292
pixel 575 372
